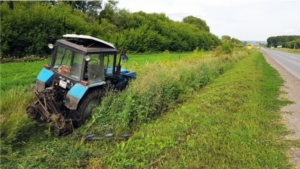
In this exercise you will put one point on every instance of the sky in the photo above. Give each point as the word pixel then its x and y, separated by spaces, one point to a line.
pixel 242 19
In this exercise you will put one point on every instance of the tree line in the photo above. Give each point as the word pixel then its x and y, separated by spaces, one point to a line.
pixel 229 43
pixel 27 27
pixel 284 41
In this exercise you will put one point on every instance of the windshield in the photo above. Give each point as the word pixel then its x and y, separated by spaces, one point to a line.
pixel 109 64
pixel 95 71
pixel 68 63
pixel 99 66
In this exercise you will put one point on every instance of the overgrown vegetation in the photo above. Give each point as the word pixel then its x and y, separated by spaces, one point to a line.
pixel 16 79
pixel 158 87
pixel 231 123
pixel 27 27
pixel 142 102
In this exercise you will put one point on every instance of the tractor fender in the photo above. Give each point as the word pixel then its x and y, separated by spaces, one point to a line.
pixel 77 92
pixel 45 77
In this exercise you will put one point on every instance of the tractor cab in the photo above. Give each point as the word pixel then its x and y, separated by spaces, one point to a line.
pixel 83 59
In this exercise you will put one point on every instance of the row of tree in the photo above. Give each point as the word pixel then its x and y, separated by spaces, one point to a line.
pixel 229 43
pixel 27 27
pixel 234 43
pixel 284 41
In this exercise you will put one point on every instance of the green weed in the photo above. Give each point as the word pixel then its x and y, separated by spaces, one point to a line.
pixel 16 79
pixel 157 87
pixel 231 122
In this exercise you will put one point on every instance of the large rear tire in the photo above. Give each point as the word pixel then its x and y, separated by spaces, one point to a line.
pixel 87 105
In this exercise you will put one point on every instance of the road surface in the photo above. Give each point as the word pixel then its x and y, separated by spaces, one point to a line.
pixel 289 61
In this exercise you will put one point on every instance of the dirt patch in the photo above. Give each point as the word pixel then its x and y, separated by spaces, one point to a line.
pixel 291 91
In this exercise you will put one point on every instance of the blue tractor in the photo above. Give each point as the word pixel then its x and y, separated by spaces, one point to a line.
pixel 72 85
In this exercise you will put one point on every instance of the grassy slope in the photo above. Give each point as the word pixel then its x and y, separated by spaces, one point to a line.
pixel 229 124
pixel 232 123
pixel 15 97
pixel 15 79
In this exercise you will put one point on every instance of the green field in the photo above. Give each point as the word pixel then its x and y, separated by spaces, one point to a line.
pixel 22 74
pixel 190 111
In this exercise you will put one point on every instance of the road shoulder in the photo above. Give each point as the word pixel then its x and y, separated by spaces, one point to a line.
pixel 291 91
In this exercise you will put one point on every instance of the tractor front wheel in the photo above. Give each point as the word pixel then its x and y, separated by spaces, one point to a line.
pixel 87 105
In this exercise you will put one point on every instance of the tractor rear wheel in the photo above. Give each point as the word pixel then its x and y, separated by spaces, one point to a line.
pixel 87 105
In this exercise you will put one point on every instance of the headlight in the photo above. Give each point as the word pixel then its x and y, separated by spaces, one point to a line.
pixel 87 57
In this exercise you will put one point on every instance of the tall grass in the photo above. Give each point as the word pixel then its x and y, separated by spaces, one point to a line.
pixel 231 123
pixel 15 81
pixel 15 118
pixel 157 88
pixel 17 77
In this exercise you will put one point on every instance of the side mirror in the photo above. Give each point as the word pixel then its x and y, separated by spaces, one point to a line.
pixel 124 58
pixel 50 45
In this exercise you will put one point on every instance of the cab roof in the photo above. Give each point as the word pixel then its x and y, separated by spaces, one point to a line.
pixel 87 44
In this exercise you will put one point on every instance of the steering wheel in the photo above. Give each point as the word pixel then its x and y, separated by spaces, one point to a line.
pixel 94 60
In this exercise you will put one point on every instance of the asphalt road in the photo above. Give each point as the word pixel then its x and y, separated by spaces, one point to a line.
pixel 289 61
